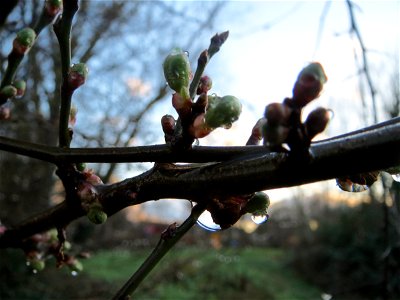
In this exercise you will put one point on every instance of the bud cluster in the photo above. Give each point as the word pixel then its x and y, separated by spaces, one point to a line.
pixel 283 120
pixel 42 246
pixel 199 118
pixel 226 211
pixel 89 197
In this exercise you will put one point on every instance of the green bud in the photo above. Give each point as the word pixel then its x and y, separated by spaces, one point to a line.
pixel 258 203
pixel 177 72
pixel 20 85
pixel 96 215
pixel 24 40
pixel 80 166
pixel 222 111
pixel 8 91
pixel 77 75
pixel 53 7
pixel 67 246
pixel 75 265
pixel 37 264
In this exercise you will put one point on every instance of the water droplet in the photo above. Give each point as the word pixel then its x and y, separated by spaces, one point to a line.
pixel 259 218
pixel 206 222
pixel 74 273
pixel 396 177
pixel 349 186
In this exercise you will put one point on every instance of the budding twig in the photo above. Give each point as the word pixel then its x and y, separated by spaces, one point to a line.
pixel 215 44
pixel 167 240
pixel 62 29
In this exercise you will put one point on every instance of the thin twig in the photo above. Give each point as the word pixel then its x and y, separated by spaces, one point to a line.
pixel 152 153
pixel 354 29
pixel 167 240
pixel 62 29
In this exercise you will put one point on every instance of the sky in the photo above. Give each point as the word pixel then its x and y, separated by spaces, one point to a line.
pixel 271 41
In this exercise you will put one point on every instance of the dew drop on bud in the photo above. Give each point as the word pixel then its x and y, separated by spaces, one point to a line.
pixel 206 222
pixel 396 177
pixel 259 218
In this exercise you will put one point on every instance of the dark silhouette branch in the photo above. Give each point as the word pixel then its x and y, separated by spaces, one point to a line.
pixel 153 153
pixel 374 149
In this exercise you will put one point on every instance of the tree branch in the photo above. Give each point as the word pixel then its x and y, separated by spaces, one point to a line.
pixel 153 153
pixel 374 149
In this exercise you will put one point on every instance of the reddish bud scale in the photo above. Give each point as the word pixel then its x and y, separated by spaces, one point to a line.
pixel 182 106
pixel 199 129
pixel 205 85
pixel 256 133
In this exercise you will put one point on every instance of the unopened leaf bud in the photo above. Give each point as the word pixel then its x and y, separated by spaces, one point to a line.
pixel 77 75
pixel 168 124
pixel 8 91
pixel 205 85
pixel 74 265
pixel 20 85
pixel 37 264
pixel 24 41
pixel 277 113
pixel 177 72
pixel 183 106
pixel 67 246
pixel 316 121
pixel 53 7
pixel 93 178
pixel 222 111
pixel 259 202
pixel 309 84
pixel 96 215
pixel 86 192
pixel 256 132
pixel 80 166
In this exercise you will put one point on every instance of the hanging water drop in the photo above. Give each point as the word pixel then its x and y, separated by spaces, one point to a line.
pixel 206 222
pixel 74 273
pixel 396 177
pixel 259 218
